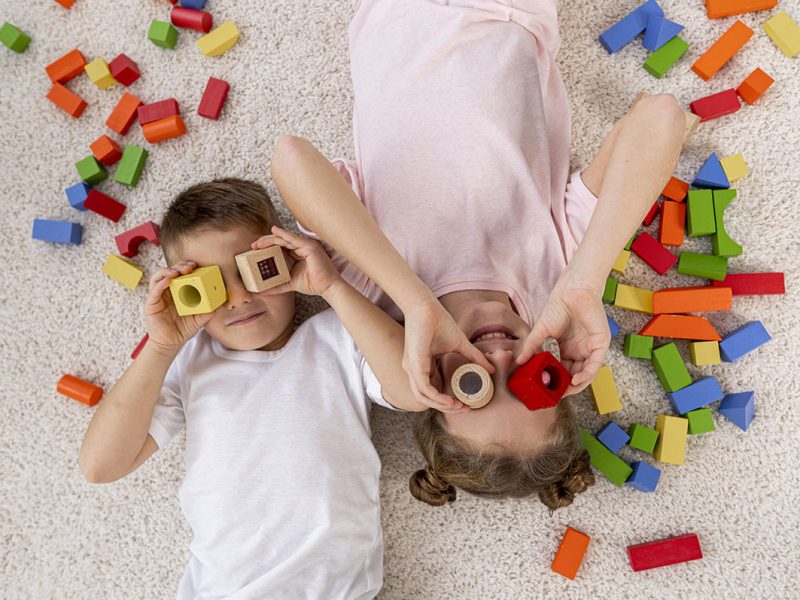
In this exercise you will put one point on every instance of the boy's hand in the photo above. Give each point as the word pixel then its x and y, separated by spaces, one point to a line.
pixel 168 331
pixel 312 273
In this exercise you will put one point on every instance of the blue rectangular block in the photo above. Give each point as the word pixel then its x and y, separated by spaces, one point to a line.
pixel 77 193
pixel 57 231
pixel 697 395
pixel 196 4
pixel 612 325
pixel 613 437
pixel 644 477
pixel 624 31
pixel 743 341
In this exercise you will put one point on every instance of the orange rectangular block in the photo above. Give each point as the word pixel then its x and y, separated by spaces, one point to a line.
pixel 67 67
pixel 676 189
pixel 681 327
pixel 66 3
pixel 570 553
pixel 692 299
pixel 673 220
pixel 722 50
pixel 124 113
pixel 754 86
pixel 66 100
pixel 163 129
pixel 717 9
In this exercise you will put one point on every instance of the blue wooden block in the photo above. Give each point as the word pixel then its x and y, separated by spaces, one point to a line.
pixel 625 31
pixel 659 31
pixel 712 175
pixel 697 395
pixel 739 408
pixel 612 325
pixel 644 477
pixel 57 231
pixel 743 341
pixel 77 193
pixel 613 437
pixel 196 4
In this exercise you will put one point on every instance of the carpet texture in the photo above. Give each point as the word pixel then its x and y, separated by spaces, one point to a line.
pixel 63 538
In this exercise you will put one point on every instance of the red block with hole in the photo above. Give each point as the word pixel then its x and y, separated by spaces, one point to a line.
pixel 529 383
pixel 128 242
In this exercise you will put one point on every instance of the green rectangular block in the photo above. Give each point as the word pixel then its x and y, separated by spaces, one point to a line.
pixel 638 346
pixel 162 34
pixel 91 171
pixel 605 461
pixel 130 166
pixel 660 61
pixel 700 421
pixel 14 38
pixel 703 265
pixel 642 438
pixel 610 291
pixel 630 241
pixel 670 368
pixel 700 213
pixel 721 242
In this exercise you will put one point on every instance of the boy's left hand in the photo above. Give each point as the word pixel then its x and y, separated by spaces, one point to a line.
pixel 312 272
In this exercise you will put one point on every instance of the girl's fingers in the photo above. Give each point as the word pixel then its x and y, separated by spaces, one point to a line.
pixel 533 342
pixel 278 289
pixel 473 355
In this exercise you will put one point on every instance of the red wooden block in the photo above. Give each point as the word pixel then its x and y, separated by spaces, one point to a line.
pixel 529 381
pixel 213 99
pixel 716 105
pixel 80 390
pixel 104 205
pixel 190 18
pixel 139 346
pixel 651 215
pixel 66 3
pixel 67 67
pixel 124 113
pixel 106 150
pixel 651 251
pixel 673 220
pixel 676 189
pixel 128 242
pixel 124 70
pixel 156 111
pixel 661 553
pixel 753 284
pixel 66 100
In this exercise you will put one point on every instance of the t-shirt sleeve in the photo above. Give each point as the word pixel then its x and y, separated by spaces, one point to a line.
pixel 168 415
pixel 372 385
pixel 579 205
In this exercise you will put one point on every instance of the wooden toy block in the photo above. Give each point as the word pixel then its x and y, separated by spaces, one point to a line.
pixel 784 32
pixel 675 189
pixel 201 291
pixel 644 477
pixel 263 269
pixel 62 232
pixel 605 461
pixel 219 40
pixel 570 553
pixel 124 114
pixel 691 299
pixel 67 67
pixel 680 327
pixel 76 195
pixel 613 437
pixel 638 346
pixel 164 129
pixel 659 31
pixel 190 18
pixel 196 4
pixel 700 421
pixel 671 444
pixel 642 438
pixel 673 221
pixel 739 409
pixel 722 50
pixel 700 213
pixel 734 166
pixel 721 242
pixel 213 99
pixel 122 271
pixel 104 205
pixel 753 284
pixel 711 174
pixel 662 60
pixel 80 390
pixel 702 265
pixel 697 395
pixel 124 70
pixel 717 9
pixel 653 252
pixel 604 391
pixel 661 553
pixel 14 38
pixel 629 27
pixel 139 346
pixel 651 214
pixel 704 353
pixel 716 105
pixel 670 369
pixel 91 171
pixel 634 298
pixel 610 290
pixel 155 111
pixel 129 241
pixel 532 386
pixel 613 327
pixel 100 74
pixel 66 3
pixel 621 263
pixel 754 86
pixel 630 241
pixel 162 34
pixel 472 385
pixel 743 340
pixel 66 100
pixel 131 165
pixel 106 150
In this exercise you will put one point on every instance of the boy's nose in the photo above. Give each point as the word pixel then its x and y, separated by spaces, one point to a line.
pixel 237 295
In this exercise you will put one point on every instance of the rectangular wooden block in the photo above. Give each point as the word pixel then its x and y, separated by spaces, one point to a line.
pixel 605 461
pixel 673 221
pixel 670 369
pixel 716 9
pixel 662 60
pixel 697 395
pixel 67 67
pixel 622 262
pixel 124 113
pixel 743 340
pixel 634 298
pixel 716 105
pixel 131 165
pixel 722 50
pixel 155 111
pixel 642 438
pixel 14 38
pixel 700 213
pixel 671 444
pixel 66 100
pixel 653 253
pixel 609 290
pixel 753 284
pixel 604 391
pixel 104 205
pixel 638 346
pixel 784 32
pixel 213 99
pixel 702 265
pixel 570 553
pixel 62 232
pixel 735 167
pixel 676 189
pixel 651 214
pixel 680 327
pixel 752 88
pixel 100 74
pixel 661 553
pixel 263 269
pixel 122 271
pixel 704 353
pixel 692 299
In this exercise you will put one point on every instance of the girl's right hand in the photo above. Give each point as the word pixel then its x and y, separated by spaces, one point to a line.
pixel 168 331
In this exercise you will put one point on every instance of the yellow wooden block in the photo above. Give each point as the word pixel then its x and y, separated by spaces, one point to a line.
pixel 100 74
pixel 704 353
pixel 671 444
pixel 622 261
pixel 604 391
pixel 201 291
pixel 784 32
pixel 121 270
pixel 634 298
pixel 735 167
pixel 220 40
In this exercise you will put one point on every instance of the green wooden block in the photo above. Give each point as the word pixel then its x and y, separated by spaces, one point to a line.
pixel 14 38
pixel 162 34
pixel 91 171
pixel 700 420
pixel 610 291
pixel 700 213
pixel 661 61
pixel 642 438
pixel 638 346
pixel 605 461
pixel 703 265
pixel 130 166
pixel 721 242
pixel 670 368
pixel 630 241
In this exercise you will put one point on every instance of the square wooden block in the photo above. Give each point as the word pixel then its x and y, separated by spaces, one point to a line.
pixel 263 269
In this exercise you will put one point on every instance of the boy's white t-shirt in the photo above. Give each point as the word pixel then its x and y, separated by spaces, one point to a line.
pixel 281 484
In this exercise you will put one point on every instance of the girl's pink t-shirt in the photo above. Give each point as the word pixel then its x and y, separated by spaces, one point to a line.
pixel 462 136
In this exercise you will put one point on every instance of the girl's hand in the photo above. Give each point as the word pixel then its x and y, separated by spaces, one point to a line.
pixel 312 273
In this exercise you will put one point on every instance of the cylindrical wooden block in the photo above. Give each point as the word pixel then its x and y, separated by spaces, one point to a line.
pixel 190 18
pixel 80 390
pixel 472 385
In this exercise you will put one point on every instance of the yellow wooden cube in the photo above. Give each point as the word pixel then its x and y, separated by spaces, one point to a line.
pixel 263 269
pixel 122 271
pixel 604 391
pixel 100 74
pixel 633 298
pixel 735 167
pixel 622 261
pixel 784 32
pixel 671 444
pixel 220 40
pixel 201 291
pixel 704 353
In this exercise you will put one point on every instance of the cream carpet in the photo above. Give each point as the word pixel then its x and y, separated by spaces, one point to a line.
pixel 63 538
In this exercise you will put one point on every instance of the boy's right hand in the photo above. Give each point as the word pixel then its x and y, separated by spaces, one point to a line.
pixel 168 331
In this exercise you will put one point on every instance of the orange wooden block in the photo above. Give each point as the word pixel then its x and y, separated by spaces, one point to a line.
pixel 65 68
pixel 66 3
pixel 692 299
pixel 124 113
pixel 163 129
pixel 66 100
pixel 681 327
pixel 676 189
pixel 725 8
pixel 754 86
pixel 79 390
pixel 106 150
pixel 570 553
pixel 722 50
pixel 673 219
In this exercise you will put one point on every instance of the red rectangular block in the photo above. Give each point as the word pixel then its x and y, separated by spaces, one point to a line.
pixel 157 110
pixel 213 99
pixel 653 253
pixel 753 284
pixel 651 215
pixel 104 205
pixel 661 553
pixel 124 70
pixel 716 105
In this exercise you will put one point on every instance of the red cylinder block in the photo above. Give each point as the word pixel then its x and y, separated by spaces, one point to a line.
pixel 189 18
pixel 80 390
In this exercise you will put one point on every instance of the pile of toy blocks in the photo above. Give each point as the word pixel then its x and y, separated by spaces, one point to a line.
pixel 190 15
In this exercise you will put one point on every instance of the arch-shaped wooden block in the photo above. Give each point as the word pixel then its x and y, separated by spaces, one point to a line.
pixel 128 242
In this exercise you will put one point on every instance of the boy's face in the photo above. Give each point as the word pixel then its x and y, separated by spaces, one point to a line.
pixel 247 321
